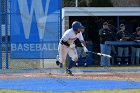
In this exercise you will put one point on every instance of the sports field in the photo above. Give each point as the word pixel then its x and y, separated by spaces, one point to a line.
pixel 85 80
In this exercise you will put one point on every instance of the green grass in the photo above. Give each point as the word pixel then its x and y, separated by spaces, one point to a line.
pixel 110 91
pixel 98 91
pixel 112 68
pixel 17 91
pixel 75 68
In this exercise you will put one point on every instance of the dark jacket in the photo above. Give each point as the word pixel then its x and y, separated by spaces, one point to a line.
pixel 105 35
pixel 122 34
pixel 135 37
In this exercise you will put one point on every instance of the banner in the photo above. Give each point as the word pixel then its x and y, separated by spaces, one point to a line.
pixel 35 28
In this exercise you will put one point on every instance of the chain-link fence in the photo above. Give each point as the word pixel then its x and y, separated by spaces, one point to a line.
pixel 3 32
pixel 101 3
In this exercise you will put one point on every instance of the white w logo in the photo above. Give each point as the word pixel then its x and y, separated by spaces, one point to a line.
pixel 26 16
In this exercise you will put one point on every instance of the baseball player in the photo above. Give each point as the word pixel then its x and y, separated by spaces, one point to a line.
pixel 67 46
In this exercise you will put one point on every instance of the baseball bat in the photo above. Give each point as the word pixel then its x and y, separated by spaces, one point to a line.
pixel 100 54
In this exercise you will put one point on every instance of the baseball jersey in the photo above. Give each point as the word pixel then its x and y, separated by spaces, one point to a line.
pixel 70 36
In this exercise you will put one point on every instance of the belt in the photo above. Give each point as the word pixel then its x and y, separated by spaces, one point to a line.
pixel 64 43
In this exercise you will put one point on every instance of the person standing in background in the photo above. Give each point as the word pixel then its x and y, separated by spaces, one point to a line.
pixel 122 35
pixel 113 48
pixel 135 49
pixel 105 35
pixel 81 54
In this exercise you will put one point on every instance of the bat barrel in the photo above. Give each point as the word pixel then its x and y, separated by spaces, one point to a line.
pixel 100 54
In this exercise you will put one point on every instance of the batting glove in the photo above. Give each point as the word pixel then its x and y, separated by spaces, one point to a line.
pixel 85 49
pixel 72 46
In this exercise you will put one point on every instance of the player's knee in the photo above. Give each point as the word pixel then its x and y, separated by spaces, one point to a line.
pixel 75 59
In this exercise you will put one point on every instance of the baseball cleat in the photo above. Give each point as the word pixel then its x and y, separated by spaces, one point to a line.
pixel 57 60
pixel 119 63
pixel 57 63
pixel 69 72
pixel 76 64
pixel 85 64
pixel 127 63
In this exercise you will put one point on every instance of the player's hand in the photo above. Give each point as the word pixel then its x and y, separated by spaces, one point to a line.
pixel 72 46
pixel 85 49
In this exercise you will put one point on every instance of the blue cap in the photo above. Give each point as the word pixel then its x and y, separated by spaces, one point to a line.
pixel 77 25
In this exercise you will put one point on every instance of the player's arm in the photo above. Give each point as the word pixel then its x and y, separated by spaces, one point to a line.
pixel 84 47
pixel 83 43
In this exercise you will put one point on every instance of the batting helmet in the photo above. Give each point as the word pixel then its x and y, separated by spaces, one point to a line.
pixel 76 25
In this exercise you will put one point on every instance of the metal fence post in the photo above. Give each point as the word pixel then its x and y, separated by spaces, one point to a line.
pixel 6 34
pixel 76 3
pixel 118 22
pixel 0 39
